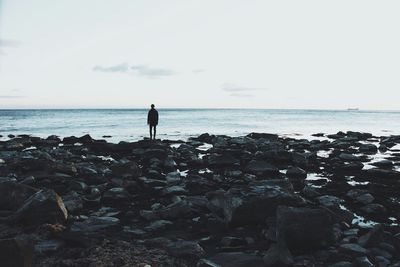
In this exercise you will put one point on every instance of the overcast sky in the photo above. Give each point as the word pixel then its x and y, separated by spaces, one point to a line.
pixel 204 53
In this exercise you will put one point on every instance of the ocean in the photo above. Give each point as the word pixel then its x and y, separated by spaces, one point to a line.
pixel 174 124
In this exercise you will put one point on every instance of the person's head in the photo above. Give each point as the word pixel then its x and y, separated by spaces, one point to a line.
pixel 152 105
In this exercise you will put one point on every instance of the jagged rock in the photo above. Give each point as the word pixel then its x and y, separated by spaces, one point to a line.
pixel 13 195
pixel 252 203
pixel 45 206
pixel 185 249
pixel 296 172
pixel 175 210
pixel 237 259
pixel 218 160
pixel 304 229
pixel 16 252
pixel 278 255
pixel 261 167
pixel 353 249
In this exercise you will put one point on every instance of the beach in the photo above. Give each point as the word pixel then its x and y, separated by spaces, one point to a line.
pixel 211 200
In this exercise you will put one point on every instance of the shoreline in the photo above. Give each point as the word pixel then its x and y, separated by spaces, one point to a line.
pixel 258 200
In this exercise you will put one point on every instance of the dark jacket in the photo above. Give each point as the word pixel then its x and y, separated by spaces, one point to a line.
pixel 152 117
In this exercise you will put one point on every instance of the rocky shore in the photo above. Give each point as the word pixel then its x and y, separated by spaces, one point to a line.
pixel 256 200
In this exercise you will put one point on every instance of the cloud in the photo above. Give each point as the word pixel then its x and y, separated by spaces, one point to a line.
pixel 123 67
pixel 140 70
pixel 197 71
pixel 241 95
pixel 144 70
pixel 11 96
pixel 235 88
pixel 9 43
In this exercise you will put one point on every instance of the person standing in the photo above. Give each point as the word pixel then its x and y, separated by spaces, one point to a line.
pixel 152 121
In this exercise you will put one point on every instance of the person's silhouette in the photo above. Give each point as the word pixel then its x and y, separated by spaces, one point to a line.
pixel 152 121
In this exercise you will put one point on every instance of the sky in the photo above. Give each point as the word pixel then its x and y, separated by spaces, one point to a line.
pixel 200 54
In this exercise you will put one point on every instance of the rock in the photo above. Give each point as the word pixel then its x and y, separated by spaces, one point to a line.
pixel 348 157
pixel 175 210
pixel 49 246
pixel 185 249
pixel 296 172
pixel 342 264
pixel 278 255
pixel 218 160
pixel 45 206
pixel 73 203
pixel 363 262
pixel 368 148
pixel 383 164
pixel 158 225
pixel 116 195
pixel 13 195
pixel 94 225
pixel 250 204
pixel 329 201
pixel 16 252
pixel 305 229
pixel 237 259
pixel 374 208
pixel 353 249
pixel 261 167
pixel 373 237
pixel 206 263
pixel 360 196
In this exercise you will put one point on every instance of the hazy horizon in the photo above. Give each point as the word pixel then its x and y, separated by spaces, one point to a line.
pixel 312 55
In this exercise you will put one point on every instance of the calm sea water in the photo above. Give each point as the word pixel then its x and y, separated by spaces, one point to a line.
pixel 130 124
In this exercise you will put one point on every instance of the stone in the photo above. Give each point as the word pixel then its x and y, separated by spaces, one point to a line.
pixel 237 259
pixel 94 224
pixel 206 263
pixel 185 249
pixel 342 264
pixel 221 160
pixel 261 167
pixel 374 208
pixel 296 172
pixel 13 195
pixel 49 246
pixel 250 204
pixel 304 229
pixel 45 206
pixel 16 252
pixel 353 249
pixel 175 210
pixel 363 262
pixel 278 255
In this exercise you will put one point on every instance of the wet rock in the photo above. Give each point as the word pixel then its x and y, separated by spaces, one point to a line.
pixel 158 225
pixel 304 229
pixel 361 196
pixel 116 195
pixel 261 167
pixel 374 209
pixel 237 259
pixel 13 195
pixel 45 206
pixel 342 264
pixel 278 255
pixel 368 148
pixel 353 249
pixel 16 252
pixel 221 160
pixel 206 263
pixel 185 249
pixel 296 172
pixel 175 210
pixel 363 262
pixel 250 204
pixel 383 164
pixel 348 157
pixel 49 246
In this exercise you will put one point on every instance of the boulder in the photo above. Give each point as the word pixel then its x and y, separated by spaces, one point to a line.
pixel 237 259
pixel 45 206
pixel 13 195
pixel 185 249
pixel 278 255
pixel 16 252
pixel 296 172
pixel 261 167
pixel 251 204
pixel 304 229
pixel 221 160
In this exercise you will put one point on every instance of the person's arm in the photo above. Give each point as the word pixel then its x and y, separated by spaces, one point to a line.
pixel 156 117
pixel 148 118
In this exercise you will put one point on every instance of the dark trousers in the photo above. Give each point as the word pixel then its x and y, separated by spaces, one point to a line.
pixel 152 136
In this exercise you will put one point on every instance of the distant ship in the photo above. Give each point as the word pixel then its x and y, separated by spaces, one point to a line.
pixel 353 109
